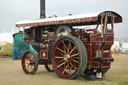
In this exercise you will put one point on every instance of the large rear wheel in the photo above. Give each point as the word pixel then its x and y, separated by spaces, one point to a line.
pixel 29 62
pixel 69 57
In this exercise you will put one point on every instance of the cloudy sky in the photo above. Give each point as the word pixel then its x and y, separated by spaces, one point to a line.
pixel 12 11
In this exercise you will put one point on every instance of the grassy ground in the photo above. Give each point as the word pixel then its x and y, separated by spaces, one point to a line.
pixel 11 73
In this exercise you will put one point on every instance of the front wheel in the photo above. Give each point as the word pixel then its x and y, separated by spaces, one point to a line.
pixel 69 57
pixel 29 62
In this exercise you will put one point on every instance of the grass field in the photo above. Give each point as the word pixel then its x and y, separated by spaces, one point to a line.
pixel 11 73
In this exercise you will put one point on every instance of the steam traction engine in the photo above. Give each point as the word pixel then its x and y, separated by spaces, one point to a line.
pixel 71 51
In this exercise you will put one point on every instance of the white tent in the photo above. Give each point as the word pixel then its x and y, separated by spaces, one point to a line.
pixel 6 37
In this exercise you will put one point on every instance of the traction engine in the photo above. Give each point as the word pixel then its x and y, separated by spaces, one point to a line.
pixel 66 46
pixel 70 51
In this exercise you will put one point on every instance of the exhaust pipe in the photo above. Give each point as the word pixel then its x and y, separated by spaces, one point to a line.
pixel 42 9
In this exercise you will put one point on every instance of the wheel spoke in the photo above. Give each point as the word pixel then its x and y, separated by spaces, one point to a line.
pixel 31 61
pixel 31 68
pixel 72 65
pixel 64 69
pixel 72 50
pixel 61 54
pixel 65 47
pixel 61 64
pixel 27 61
pixel 75 55
pixel 61 50
pixel 59 57
pixel 69 46
pixel 64 65
pixel 75 61
pixel 62 60
pixel 27 67
pixel 64 44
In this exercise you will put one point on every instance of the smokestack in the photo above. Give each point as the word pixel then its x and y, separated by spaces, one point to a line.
pixel 42 9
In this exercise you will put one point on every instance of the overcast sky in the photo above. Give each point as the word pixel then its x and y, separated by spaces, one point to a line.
pixel 12 11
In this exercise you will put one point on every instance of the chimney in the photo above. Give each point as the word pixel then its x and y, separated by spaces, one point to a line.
pixel 42 9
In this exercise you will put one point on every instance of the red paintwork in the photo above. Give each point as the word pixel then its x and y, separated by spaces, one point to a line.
pixel 93 43
pixel 41 55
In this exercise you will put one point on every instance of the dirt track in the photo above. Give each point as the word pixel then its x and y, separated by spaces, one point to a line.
pixel 11 74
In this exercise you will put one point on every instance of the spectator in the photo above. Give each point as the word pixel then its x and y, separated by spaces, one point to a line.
pixel 126 52
pixel 15 53
pixel 116 51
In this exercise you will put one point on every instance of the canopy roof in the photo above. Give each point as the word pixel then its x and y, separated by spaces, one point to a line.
pixel 86 19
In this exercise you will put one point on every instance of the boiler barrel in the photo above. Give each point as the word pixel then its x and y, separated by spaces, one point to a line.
pixel 36 46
